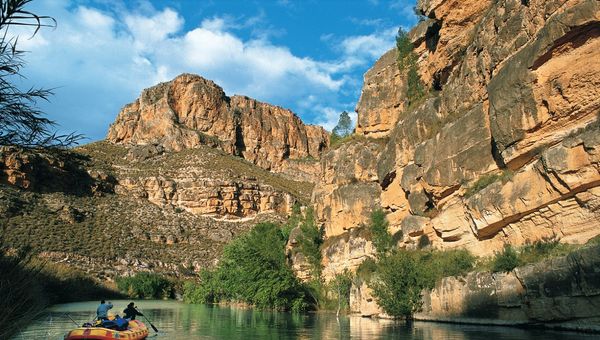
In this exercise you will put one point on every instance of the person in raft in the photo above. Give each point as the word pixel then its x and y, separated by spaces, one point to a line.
pixel 131 312
pixel 102 311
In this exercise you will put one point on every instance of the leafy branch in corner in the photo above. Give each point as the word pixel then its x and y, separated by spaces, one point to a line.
pixel 21 123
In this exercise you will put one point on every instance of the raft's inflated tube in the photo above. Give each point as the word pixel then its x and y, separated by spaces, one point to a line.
pixel 136 330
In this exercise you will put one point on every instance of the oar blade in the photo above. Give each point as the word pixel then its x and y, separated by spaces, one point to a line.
pixel 154 328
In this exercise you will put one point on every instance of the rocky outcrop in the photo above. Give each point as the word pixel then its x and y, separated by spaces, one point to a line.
pixel 208 196
pixel 51 171
pixel 203 181
pixel 381 100
pixel 565 291
pixel 190 111
pixel 503 148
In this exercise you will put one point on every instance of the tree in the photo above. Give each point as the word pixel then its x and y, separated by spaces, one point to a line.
pixel 21 123
pixel 382 240
pixel 344 125
pixel 310 240
pixel 400 280
pixel 407 63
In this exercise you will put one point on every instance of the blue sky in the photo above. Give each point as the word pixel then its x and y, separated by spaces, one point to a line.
pixel 308 56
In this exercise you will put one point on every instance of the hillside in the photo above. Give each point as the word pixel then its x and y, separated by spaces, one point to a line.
pixel 105 218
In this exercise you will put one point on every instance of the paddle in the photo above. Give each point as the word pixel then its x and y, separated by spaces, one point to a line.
pixel 76 324
pixel 150 322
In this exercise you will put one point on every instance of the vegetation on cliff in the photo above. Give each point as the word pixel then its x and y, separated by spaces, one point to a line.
pixel 398 276
pixel 407 64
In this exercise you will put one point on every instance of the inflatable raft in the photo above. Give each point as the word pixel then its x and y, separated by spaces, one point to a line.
pixel 135 330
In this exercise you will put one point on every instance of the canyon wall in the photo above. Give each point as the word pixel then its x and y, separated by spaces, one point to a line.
pixel 561 293
pixel 503 148
pixel 190 111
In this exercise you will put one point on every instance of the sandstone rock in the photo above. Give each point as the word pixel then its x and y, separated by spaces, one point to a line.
pixel 549 87
pixel 382 99
pixel 414 225
pixel 362 301
pixel 557 290
pixel 348 190
pixel 346 251
pixel 190 111
pixel 513 123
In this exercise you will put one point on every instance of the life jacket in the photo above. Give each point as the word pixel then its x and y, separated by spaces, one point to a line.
pixel 117 323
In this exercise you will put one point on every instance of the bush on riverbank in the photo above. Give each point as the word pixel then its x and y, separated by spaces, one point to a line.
pixel 397 278
pixel 253 270
pixel 146 286
pixel 28 285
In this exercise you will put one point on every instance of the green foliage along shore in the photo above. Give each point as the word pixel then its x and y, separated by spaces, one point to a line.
pixel 253 270
pixel 146 286
pixel 28 285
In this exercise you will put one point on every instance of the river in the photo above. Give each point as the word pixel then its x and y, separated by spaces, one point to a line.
pixel 178 321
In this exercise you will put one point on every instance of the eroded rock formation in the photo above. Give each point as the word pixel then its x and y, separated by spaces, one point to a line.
pixel 190 111
pixel 503 148
pixel 564 291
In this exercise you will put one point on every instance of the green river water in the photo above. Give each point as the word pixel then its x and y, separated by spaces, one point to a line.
pixel 176 320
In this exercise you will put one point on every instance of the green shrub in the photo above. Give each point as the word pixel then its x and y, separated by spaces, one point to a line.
pixel 506 260
pixel 486 180
pixel 366 269
pixel 253 270
pixel 404 47
pixel 309 240
pixel 382 240
pixel 401 275
pixel 146 286
pixel 340 286
pixel 423 242
pixel 399 282
pixel 543 249
pixel 407 64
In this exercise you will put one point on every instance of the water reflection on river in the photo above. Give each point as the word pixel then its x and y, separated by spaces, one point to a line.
pixel 180 321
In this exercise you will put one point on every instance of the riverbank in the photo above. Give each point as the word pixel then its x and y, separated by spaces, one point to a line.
pixel 28 285
pixel 560 293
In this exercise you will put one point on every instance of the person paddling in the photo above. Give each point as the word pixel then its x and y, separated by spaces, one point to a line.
pixel 102 311
pixel 131 312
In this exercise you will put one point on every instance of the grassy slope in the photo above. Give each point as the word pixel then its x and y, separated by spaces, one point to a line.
pixel 203 161
pixel 111 227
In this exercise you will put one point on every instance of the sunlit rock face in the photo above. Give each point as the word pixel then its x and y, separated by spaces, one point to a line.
pixel 562 290
pixel 503 149
pixel 190 111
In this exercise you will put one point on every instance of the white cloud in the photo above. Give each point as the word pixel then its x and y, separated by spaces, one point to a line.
pixel 372 45
pixel 100 61
pixel 148 31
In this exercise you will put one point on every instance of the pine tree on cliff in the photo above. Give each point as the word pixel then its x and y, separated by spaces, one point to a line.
pixel 344 125
pixel 21 123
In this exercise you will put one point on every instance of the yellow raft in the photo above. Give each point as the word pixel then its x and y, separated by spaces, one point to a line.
pixel 135 330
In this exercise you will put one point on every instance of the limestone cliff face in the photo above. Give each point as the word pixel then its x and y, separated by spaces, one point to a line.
pixel 564 291
pixel 503 149
pixel 190 111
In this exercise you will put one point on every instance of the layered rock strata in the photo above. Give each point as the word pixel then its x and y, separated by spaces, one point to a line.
pixel 502 149
pixel 564 291
pixel 190 111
